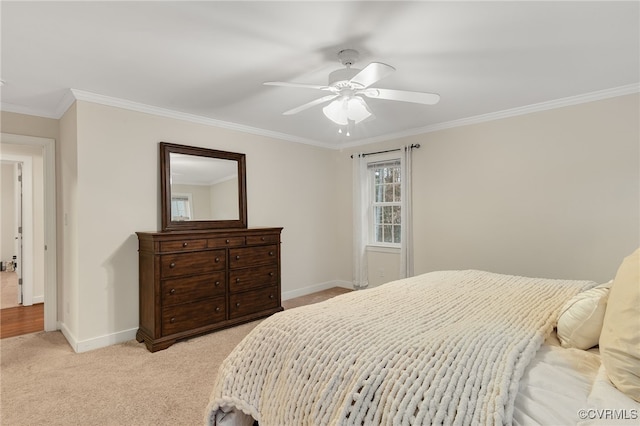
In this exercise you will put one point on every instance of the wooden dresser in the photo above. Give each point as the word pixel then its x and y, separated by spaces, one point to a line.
pixel 193 282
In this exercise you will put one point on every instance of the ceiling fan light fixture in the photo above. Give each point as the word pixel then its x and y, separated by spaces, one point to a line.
pixel 357 109
pixel 342 110
pixel 336 111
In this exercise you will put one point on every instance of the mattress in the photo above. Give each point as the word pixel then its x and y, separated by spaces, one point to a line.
pixel 570 387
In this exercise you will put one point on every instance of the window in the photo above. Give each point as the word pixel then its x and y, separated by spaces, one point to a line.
pixel 180 207
pixel 385 203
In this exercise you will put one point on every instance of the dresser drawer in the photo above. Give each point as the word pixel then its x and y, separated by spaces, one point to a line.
pixel 243 257
pixel 185 286
pixel 246 303
pixel 192 315
pixel 182 290
pixel 201 262
pixel 183 245
pixel 263 239
pixel 245 279
pixel 225 242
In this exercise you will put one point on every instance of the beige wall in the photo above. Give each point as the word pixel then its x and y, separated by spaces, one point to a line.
pixel 29 125
pixel 200 197
pixel 117 194
pixel 549 194
pixel 68 251
pixel 224 196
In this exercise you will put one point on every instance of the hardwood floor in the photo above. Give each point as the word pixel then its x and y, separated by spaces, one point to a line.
pixel 21 320
pixel 16 319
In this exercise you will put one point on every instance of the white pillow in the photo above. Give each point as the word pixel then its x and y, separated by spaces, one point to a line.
pixel 581 318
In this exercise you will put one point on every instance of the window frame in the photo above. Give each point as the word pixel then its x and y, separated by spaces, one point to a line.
pixel 393 157
pixel 185 197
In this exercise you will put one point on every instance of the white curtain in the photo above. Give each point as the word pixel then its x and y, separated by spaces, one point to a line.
pixel 361 198
pixel 406 235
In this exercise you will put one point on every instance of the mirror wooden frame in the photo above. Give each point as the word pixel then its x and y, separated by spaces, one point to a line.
pixel 166 149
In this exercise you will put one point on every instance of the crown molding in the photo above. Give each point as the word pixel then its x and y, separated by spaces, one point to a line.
pixel 65 103
pixel 81 95
pixel 74 94
pixel 513 112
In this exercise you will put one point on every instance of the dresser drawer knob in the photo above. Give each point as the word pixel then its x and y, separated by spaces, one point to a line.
pixel 185 244
pixel 262 238
pixel 271 296
pixel 238 257
pixel 271 274
pixel 217 259
pixel 227 241
pixel 271 253
pixel 172 320
pixel 237 304
pixel 237 280
pixel 217 309
pixel 172 291
pixel 217 284
pixel 172 265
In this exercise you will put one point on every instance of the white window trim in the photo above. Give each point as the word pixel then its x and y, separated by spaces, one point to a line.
pixel 189 197
pixel 383 247
pixel 379 248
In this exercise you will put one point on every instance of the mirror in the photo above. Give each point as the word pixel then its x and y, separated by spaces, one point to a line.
pixel 202 188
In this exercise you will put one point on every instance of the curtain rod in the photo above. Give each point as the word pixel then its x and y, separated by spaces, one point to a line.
pixel 416 145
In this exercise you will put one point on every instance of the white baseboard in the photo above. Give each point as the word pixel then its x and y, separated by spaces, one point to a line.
pixel 126 335
pixel 37 299
pixel 96 342
pixel 314 288
pixel 68 335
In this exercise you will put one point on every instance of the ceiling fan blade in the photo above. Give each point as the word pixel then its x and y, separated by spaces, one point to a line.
pixel 300 85
pixel 372 73
pixel 403 96
pixel 310 104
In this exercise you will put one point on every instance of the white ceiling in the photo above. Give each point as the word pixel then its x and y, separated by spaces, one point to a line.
pixel 209 59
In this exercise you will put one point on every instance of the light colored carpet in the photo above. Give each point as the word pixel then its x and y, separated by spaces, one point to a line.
pixel 42 381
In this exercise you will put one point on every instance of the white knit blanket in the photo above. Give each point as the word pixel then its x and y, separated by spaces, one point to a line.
pixel 440 348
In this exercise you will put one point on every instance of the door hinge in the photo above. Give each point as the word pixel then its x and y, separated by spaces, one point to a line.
pixel 19 281
pixel 19 178
pixel 19 229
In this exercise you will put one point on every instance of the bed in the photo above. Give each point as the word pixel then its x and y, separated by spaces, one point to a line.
pixel 446 347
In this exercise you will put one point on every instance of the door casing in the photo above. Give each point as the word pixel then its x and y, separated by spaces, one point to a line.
pixel 50 252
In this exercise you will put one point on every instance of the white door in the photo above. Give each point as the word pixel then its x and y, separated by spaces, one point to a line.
pixel 18 227
pixel 23 228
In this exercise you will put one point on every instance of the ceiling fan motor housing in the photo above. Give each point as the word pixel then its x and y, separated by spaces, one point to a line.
pixel 341 77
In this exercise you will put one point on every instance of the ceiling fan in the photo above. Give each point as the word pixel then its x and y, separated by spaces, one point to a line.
pixel 348 86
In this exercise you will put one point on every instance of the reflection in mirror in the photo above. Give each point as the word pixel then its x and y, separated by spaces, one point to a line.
pixel 203 188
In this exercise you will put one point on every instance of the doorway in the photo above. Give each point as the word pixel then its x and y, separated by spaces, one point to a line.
pixel 38 264
pixel 22 267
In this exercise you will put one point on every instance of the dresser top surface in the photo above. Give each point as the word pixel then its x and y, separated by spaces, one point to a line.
pixel 208 233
